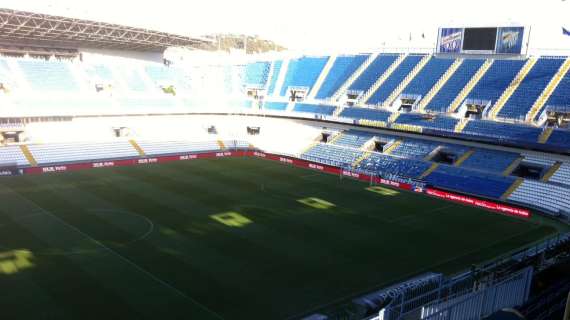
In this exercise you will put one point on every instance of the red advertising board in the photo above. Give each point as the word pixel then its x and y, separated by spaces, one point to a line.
pixel 479 203
pixel 286 160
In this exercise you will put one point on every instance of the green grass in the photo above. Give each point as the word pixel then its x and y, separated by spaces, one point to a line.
pixel 142 242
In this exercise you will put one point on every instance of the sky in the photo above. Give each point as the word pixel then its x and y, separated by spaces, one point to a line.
pixel 321 25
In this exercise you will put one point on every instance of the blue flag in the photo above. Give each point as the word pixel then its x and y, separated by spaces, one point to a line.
pixel 565 31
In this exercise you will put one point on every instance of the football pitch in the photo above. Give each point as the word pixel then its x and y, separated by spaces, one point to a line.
pixel 230 238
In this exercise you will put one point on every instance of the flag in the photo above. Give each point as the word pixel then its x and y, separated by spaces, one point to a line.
pixel 565 31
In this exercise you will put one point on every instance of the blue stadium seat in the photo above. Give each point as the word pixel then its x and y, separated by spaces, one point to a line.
pixel 373 72
pixel 560 138
pixel 385 165
pixel 366 113
pixel 414 149
pixel 395 79
pixel 428 76
pixel 441 123
pixel 273 81
pixel 332 155
pixel 48 75
pixel 530 88
pixel 342 68
pixel 560 96
pixel 279 106
pixel 256 74
pixel 445 96
pixel 490 160
pixel 504 132
pixel 353 138
pixel 303 72
pixel 314 108
pixel 469 181
pixel 492 85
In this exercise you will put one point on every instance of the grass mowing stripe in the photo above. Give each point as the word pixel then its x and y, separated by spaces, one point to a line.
pixel 291 257
pixel 51 218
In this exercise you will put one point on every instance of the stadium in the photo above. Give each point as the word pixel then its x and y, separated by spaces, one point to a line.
pixel 159 175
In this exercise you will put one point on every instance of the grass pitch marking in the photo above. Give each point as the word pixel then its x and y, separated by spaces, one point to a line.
pixel 317 203
pixel 231 219
pixel 383 191
pixel 15 260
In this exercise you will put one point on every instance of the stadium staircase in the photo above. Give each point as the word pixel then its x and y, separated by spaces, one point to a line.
pixel 28 155
pixel 338 94
pixel 433 153
pixel 221 145
pixel 396 93
pixel 269 76
pixel 381 80
pixel 547 92
pixel 461 125
pixel 335 138
pixel 470 85
pixel 551 171
pixel 546 133
pixel 393 117
pixel 464 157
pixel 290 106
pixel 281 77
pixel 137 147
pixel 512 188
pixel 431 169
pixel 439 84
pixel 364 156
pixel 309 147
pixel 338 111
pixel 507 172
pixel 393 146
pixel 512 87
pixel 322 77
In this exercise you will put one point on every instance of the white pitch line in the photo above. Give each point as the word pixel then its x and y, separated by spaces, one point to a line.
pixel 128 261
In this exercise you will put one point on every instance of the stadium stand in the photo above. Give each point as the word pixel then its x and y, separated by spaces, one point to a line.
pixel 443 99
pixel 341 70
pixel 303 72
pixel 373 72
pixel 275 74
pixel 44 76
pixel 440 123
pixel 562 175
pixel 279 106
pixel 11 156
pixel 176 147
pixel 428 76
pixel 560 138
pixel 501 131
pixel 560 96
pixel 313 108
pixel 553 198
pixel 353 138
pixel 496 80
pixel 81 151
pixel 385 165
pixel 490 160
pixel 365 113
pixel 256 74
pixel 530 88
pixel 332 155
pixel 414 149
pixel 384 91
pixel 469 181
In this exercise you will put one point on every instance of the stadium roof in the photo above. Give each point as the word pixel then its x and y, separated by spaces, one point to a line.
pixel 27 28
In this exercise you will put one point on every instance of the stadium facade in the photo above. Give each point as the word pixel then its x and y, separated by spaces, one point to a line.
pixel 484 126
